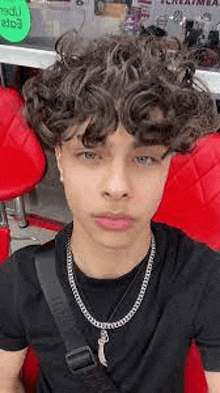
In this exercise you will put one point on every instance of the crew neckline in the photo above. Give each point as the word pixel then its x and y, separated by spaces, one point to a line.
pixel 105 282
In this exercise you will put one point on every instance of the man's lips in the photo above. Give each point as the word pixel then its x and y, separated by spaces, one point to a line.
pixel 116 216
pixel 115 222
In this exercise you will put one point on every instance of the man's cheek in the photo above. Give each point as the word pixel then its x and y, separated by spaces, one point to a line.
pixel 149 195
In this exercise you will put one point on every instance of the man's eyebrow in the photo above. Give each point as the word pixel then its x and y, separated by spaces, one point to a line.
pixel 167 152
pixel 137 144
pixel 134 145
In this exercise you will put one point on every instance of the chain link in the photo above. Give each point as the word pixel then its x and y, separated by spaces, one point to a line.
pixel 131 313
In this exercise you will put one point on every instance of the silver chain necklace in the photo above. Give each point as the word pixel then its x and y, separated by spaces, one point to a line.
pixel 104 326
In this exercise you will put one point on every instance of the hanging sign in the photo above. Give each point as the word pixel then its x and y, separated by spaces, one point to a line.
pixel 15 20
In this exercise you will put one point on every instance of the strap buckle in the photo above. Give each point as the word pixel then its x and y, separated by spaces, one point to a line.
pixel 81 359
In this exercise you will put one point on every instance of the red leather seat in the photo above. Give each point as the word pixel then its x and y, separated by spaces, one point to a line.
pixel 22 161
pixel 191 199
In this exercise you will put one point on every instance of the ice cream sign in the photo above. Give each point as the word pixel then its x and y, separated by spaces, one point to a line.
pixel 15 20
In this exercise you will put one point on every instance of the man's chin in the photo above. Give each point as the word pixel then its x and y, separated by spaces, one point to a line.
pixel 118 239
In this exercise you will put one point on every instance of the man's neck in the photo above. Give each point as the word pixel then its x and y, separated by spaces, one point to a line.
pixel 107 263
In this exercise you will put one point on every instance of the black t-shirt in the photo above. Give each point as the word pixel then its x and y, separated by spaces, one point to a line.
pixel 148 354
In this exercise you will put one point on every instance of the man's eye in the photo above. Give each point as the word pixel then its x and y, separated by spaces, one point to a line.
pixel 146 160
pixel 88 155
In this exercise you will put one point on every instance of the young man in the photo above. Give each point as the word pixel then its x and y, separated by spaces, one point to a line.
pixel 116 109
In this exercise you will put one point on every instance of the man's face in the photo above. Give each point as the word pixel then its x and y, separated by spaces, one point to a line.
pixel 113 191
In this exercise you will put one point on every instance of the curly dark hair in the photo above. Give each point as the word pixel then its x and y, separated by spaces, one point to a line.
pixel 115 79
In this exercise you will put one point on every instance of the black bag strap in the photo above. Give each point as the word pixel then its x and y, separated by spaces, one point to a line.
pixel 79 357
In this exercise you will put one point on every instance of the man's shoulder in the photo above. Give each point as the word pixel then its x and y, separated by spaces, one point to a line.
pixel 18 271
pixel 187 265
pixel 183 247
pixel 177 234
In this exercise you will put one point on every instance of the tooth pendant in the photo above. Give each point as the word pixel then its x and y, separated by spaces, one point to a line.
pixel 104 338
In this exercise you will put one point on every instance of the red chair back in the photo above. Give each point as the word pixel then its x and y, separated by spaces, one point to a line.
pixel 191 199
pixel 10 104
pixel 22 161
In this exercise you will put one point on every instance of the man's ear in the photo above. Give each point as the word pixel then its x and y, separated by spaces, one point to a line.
pixel 58 154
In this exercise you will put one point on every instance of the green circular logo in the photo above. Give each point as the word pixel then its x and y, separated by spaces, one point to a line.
pixel 15 20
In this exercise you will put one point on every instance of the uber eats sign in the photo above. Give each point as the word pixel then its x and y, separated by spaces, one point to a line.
pixel 15 20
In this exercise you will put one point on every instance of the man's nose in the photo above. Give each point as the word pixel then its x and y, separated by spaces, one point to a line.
pixel 117 182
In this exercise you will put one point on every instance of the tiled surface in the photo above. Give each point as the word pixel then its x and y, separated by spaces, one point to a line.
pixel 21 237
